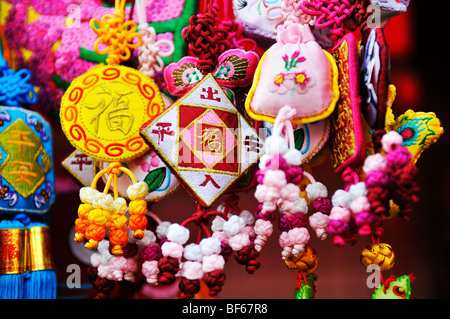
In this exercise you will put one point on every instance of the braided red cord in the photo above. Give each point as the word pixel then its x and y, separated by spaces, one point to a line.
pixel 231 33
pixel 247 256
pixel 188 288
pixel 214 280
pixel 207 37
pixel 362 12
pixel 102 286
pixel 168 268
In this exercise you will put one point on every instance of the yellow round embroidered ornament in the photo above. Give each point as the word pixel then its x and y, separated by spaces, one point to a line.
pixel 103 110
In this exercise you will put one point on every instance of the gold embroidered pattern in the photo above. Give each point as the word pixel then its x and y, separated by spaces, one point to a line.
pixel 103 110
pixel 343 141
pixel 13 257
pixel 21 168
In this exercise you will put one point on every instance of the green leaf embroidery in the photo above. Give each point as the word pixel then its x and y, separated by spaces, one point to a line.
pixel 299 137
pixel 155 178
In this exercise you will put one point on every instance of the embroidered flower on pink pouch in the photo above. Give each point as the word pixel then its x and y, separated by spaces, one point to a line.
pixel 302 82
pixel 290 63
pixel 298 82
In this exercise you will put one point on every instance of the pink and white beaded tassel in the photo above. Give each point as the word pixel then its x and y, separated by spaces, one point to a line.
pixel 279 177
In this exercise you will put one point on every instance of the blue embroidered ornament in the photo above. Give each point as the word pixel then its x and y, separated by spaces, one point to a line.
pixel 26 186
pixel 26 162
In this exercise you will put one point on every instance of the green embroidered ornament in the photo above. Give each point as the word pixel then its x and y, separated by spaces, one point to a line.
pixel 395 288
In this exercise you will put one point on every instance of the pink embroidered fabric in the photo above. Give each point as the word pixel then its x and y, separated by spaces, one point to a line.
pixel 296 72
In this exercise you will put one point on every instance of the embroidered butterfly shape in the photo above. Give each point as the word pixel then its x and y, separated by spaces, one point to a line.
pixel 235 68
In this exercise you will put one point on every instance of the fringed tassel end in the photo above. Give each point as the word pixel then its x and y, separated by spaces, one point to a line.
pixel 41 284
pixel 12 286
pixel 13 259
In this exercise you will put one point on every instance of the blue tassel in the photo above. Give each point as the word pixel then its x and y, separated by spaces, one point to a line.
pixel 12 285
pixel 40 284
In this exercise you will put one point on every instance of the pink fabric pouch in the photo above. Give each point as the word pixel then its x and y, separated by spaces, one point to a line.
pixel 297 72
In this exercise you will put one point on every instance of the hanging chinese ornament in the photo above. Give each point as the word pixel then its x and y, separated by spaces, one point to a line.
pixel 26 189
pixel 378 258
pixel 296 82
pixel 208 145
pixel 101 114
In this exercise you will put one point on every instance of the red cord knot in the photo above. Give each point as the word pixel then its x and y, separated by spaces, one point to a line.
pixel 336 14
pixel 200 217
pixel 203 40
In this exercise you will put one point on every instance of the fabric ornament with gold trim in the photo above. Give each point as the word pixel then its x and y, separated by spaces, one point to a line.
pixel 347 137
pixel 231 67
pixel 101 114
pixel 419 130
pixel 204 140
pixel 27 172
pixel 296 72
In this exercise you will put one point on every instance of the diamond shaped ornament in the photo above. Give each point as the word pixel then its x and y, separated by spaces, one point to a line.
pixel 204 140
pixel 81 166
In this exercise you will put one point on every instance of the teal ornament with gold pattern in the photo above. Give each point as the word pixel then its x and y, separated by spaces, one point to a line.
pixel 27 182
